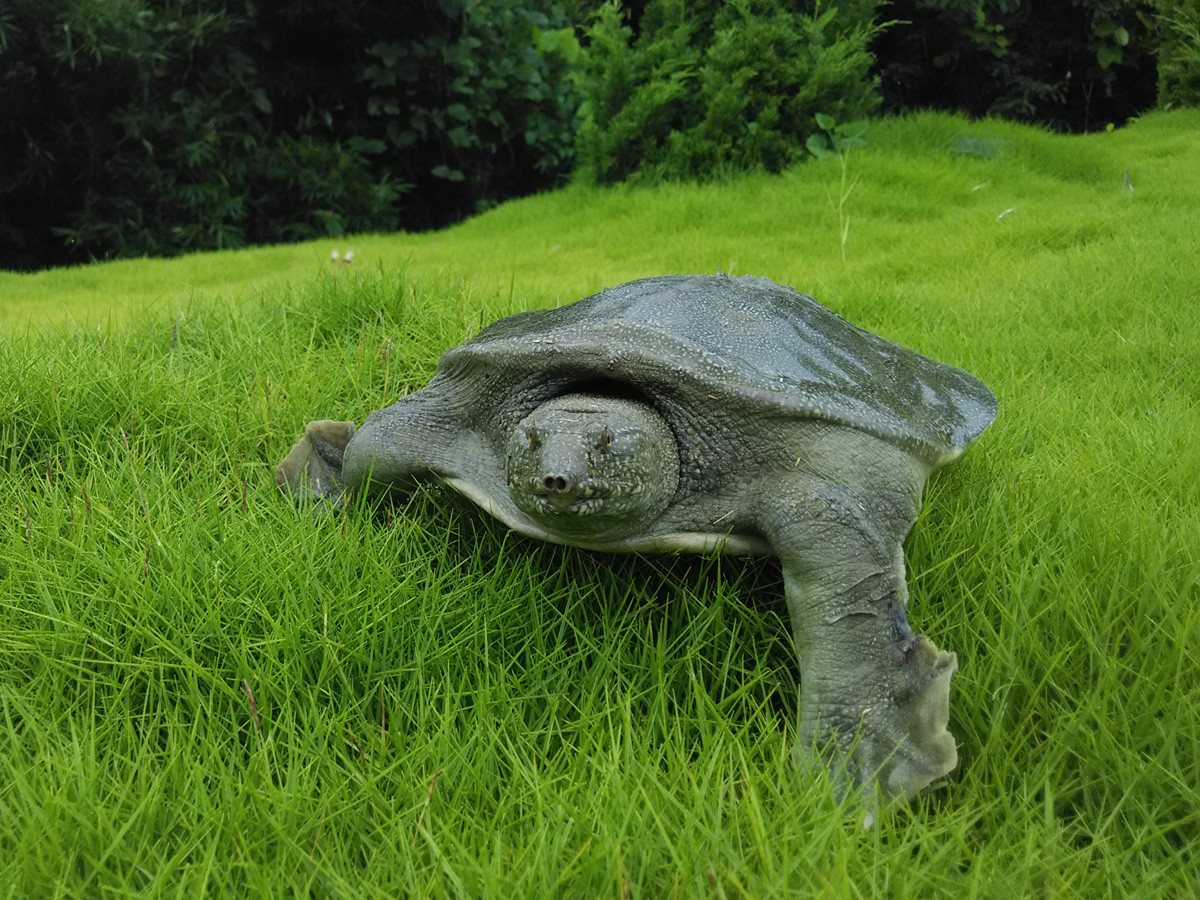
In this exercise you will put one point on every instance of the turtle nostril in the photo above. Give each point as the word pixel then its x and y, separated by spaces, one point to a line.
pixel 558 484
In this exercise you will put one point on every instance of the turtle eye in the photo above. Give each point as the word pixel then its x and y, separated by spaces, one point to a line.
pixel 605 441
pixel 531 435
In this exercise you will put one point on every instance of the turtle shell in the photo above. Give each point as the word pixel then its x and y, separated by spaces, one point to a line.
pixel 747 341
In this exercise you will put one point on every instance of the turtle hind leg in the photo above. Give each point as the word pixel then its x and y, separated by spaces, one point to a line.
pixel 313 468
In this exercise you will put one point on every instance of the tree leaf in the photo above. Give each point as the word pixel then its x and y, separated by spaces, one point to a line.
pixel 854 129
pixel 1107 55
pixel 818 145
pixel 442 171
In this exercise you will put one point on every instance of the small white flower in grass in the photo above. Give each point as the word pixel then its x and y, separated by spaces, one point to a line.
pixel 349 257
pixel 335 256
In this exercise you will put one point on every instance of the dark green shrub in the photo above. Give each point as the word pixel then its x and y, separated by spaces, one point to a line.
pixel 147 130
pixel 1075 65
pixel 478 105
pixel 710 87
pixel 1179 53
pixel 134 127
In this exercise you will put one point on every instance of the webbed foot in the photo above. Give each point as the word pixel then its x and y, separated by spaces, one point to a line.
pixel 918 713
pixel 313 468
pixel 889 727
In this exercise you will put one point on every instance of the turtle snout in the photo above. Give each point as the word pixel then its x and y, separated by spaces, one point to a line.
pixel 558 484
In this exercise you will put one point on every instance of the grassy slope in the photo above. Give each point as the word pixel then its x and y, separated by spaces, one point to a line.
pixel 441 707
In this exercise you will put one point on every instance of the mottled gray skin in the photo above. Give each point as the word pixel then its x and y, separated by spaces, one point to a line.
pixel 696 414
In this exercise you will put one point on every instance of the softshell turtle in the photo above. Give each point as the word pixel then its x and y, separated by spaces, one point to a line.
pixel 698 414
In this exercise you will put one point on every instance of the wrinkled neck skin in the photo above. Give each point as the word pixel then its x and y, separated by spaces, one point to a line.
pixel 591 468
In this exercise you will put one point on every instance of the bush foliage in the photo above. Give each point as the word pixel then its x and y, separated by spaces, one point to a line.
pixel 159 126
pixel 708 87
pixel 1074 66
pixel 1179 55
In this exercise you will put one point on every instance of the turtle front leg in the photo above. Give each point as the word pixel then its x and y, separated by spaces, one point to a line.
pixel 873 695
pixel 416 438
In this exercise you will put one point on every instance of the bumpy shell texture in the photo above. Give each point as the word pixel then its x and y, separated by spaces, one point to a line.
pixel 750 342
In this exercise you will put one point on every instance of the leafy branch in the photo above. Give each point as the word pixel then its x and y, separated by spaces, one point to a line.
pixel 838 140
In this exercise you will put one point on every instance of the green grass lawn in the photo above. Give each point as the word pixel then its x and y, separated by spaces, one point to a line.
pixel 203 691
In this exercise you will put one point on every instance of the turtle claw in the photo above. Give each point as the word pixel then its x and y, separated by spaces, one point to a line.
pixel 313 468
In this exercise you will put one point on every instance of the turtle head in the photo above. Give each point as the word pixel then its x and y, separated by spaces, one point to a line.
pixel 592 468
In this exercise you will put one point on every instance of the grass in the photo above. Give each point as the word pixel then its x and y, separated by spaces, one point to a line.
pixel 204 692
